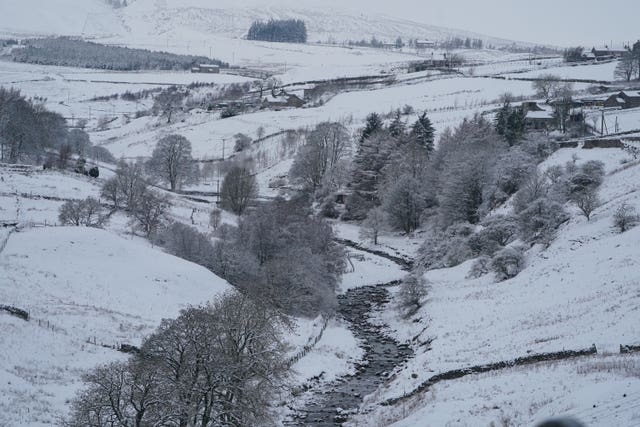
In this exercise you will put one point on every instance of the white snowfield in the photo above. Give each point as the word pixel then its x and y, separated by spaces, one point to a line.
pixel 583 289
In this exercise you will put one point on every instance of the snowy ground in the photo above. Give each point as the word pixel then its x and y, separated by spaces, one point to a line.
pixel 601 72
pixel 615 120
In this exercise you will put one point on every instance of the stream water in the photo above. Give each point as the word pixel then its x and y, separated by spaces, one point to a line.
pixel 332 405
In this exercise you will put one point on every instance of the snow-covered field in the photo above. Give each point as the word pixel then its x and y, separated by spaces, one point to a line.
pixel 615 120
pixel 447 100
pixel 600 72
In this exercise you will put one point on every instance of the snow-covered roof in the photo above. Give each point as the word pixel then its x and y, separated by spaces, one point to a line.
pixel 276 99
pixel 544 114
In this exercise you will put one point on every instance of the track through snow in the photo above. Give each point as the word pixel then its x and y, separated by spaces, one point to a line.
pixel 382 355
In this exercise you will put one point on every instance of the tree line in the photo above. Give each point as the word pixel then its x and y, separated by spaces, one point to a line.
pixel 281 30
pixel 71 52
pixel 30 133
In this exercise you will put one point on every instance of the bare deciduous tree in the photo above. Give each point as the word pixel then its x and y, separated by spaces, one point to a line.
pixel 168 102
pixel 625 217
pixel 171 162
pixel 150 211
pixel 587 201
pixel 546 86
pixel 413 289
pixel 88 212
pixel 238 189
pixel 214 218
pixel 217 365
pixel 627 67
pixel 127 187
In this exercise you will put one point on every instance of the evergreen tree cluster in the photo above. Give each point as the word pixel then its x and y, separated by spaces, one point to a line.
pixel 510 123
pixel 65 51
pixel 390 157
pixel 281 30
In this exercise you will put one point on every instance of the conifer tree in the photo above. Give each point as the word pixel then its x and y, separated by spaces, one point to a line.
pixel 397 127
pixel 373 125
pixel 423 133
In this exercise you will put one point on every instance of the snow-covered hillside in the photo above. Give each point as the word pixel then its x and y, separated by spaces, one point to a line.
pixel 90 18
pixel 87 291
pixel 188 18
pixel 82 287
pixel 583 289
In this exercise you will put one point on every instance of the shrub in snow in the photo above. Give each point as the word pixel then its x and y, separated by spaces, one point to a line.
pixel 587 201
pixel 187 243
pixel 328 208
pixel 507 263
pixel 373 224
pixel 446 248
pixel 511 171
pixel 150 212
pixel 94 172
pixel 540 220
pixel 625 217
pixel 479 268
pixel 537 186
pixel 242 142
pixel 88 212
pixel 497 231
pixel 413 289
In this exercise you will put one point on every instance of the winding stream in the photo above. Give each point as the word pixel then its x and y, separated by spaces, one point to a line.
pixel 331 406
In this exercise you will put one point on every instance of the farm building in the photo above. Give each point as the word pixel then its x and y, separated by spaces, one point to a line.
pixel 282 100
pixel 607 53
pixel 537 117
pixel 205 68
pixel 623 100
pixel 425 44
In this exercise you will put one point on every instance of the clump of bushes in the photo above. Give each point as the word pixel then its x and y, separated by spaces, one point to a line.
pixel 88 212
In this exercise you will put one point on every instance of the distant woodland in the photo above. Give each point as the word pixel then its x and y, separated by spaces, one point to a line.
pixel 77 53
pixel 288 30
